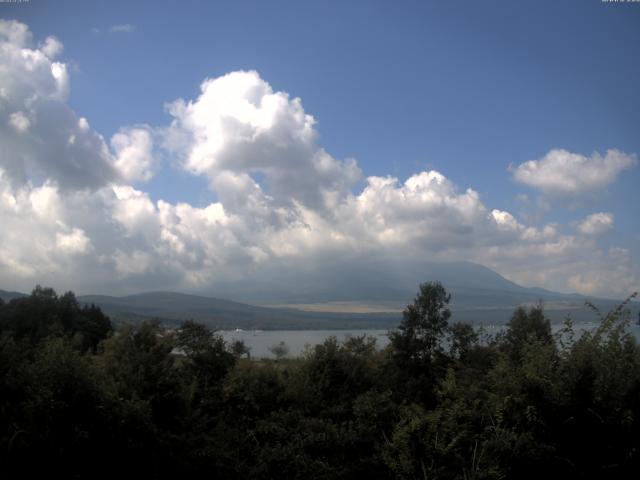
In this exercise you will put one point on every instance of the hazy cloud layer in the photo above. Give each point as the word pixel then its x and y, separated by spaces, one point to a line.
pixel 75 215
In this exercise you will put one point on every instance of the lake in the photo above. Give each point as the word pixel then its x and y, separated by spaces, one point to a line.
pixel 259 341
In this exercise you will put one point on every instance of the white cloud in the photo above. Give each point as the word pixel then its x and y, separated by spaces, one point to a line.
pixel 284 206
pixel 75 241
pixel 39 236
pixel 426 209
pixel 52 144
pixel 19 121
pixel 137 243
pixel 15 32
pixel 122 28
pixel 52 47
pixel 563 173
pixel 135 212
pixel 596 223
pixel 239 128
pixel 505 221
pixel 133 150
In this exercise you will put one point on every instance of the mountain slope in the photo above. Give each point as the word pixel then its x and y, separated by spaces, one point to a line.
pixel 173 307
pixel 392 282
pixel 478 294
pixel 7 296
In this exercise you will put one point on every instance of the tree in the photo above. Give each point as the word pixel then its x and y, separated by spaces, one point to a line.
pixel 279 350
pixel 44 314
pixel 239 349
pixel 93 326
pixel 207 359
pixel 527 326
pixel 416 347
pixel 194 338
pixel 424 323
pixel 463 337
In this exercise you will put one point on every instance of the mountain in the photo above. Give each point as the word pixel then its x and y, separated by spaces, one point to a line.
pixel 478 294
pixel 173 308
pixel 332 298
pixel 394 283
pixel 6 296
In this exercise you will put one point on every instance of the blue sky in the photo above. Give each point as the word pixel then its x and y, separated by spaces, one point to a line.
pixel 463 88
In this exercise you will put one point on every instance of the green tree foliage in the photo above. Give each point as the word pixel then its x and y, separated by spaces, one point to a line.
pixel 444 401
pixel 527 326
pixel 279 350
pixel 424 324
pixel 207 359
pixel 44 314
pixel 463 338
pixel 239 349
pixel 417 347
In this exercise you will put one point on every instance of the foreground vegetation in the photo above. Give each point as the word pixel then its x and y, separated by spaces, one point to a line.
pixel 78 399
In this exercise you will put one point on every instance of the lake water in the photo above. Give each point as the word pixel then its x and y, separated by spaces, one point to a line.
pixel 298 340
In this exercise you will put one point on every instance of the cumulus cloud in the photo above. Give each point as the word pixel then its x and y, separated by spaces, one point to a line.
pixel 51 143
pixel 239 128
pixel 75 241
pixel 52 47
pixel 74 215
pixel 38 237
pixel 425 209
pixel 596 223
pixel 118 238
pixel 563 173
pixel 134 157
pixel 42 137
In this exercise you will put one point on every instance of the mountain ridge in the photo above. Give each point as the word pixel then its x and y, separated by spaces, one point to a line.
pixel 479 295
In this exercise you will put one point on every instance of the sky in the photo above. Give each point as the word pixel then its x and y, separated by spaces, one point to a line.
pixel 151 145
